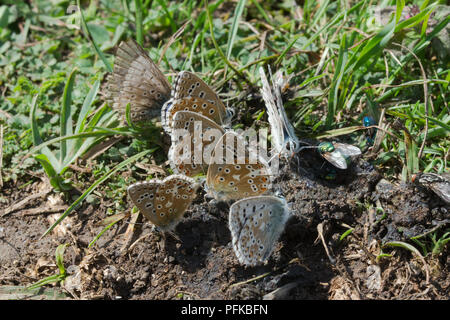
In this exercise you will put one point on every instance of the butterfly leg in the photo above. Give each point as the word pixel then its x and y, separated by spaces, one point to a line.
pixel 171 233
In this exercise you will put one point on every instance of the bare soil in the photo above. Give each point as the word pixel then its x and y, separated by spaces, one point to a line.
pixel 143 264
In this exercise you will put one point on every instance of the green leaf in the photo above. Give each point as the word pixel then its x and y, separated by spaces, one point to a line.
pixel 87 104
pixel 37 140
pixel 59 255
pixel 345 234
pixel 4 16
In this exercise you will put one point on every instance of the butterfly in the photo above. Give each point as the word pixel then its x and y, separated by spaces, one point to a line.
pixel 236 170
pixel 256 223
pixel 439 184
pixel 193 137
pixel 284 140
pixel 137 80
pixel 338 154
pixel 190 93
pixel 164 202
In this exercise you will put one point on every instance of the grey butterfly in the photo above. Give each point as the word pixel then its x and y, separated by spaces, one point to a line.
pixel 137 80
pixel 256 223
pixel 439 184
pixel 284 140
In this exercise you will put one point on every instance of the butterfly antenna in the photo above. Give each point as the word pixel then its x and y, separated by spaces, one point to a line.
pixel 274 156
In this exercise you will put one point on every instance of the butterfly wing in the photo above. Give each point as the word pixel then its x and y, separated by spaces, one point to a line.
pixel 163 202
pixel 199 105
pixel 193 139
pixel 236 171
pixel 439 184
pixel 284 140
pixel 289 136
pixel 256 224
pixel 143 196
pixel 276 126
pixel 137 80
pixel 188 84
pixel 173 196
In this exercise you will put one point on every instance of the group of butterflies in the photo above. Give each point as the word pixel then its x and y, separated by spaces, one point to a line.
pixel 258 217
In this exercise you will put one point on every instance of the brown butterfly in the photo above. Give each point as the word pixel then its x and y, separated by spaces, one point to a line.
pixel 233 173
pixel 193 139
pixel 164 202
pixel 137 80
pixel 190 93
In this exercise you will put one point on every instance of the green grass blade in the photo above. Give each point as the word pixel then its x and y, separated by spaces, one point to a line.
pixel 438 122
pixel 373 48
pixel 56 180
pixel 411 248
pixel 235 26
pixel 48 168
pixel 94 186
pixel 320 13
pixel 345 234
pixel 335 84
pixel 47 280
pixel 66 116
pixel 217 47
pixel 100 132
pixel 87 104
pixel 399 9
pixel 172 22
pixel 286 50
pixel 138 22
pixel 338 132
pixel 37 140
pixel 91 39
pixel 102 232
pixel 262 12
pixel 415 20
pixel 403 245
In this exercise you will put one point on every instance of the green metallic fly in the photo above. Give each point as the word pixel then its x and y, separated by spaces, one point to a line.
pixel 338 154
